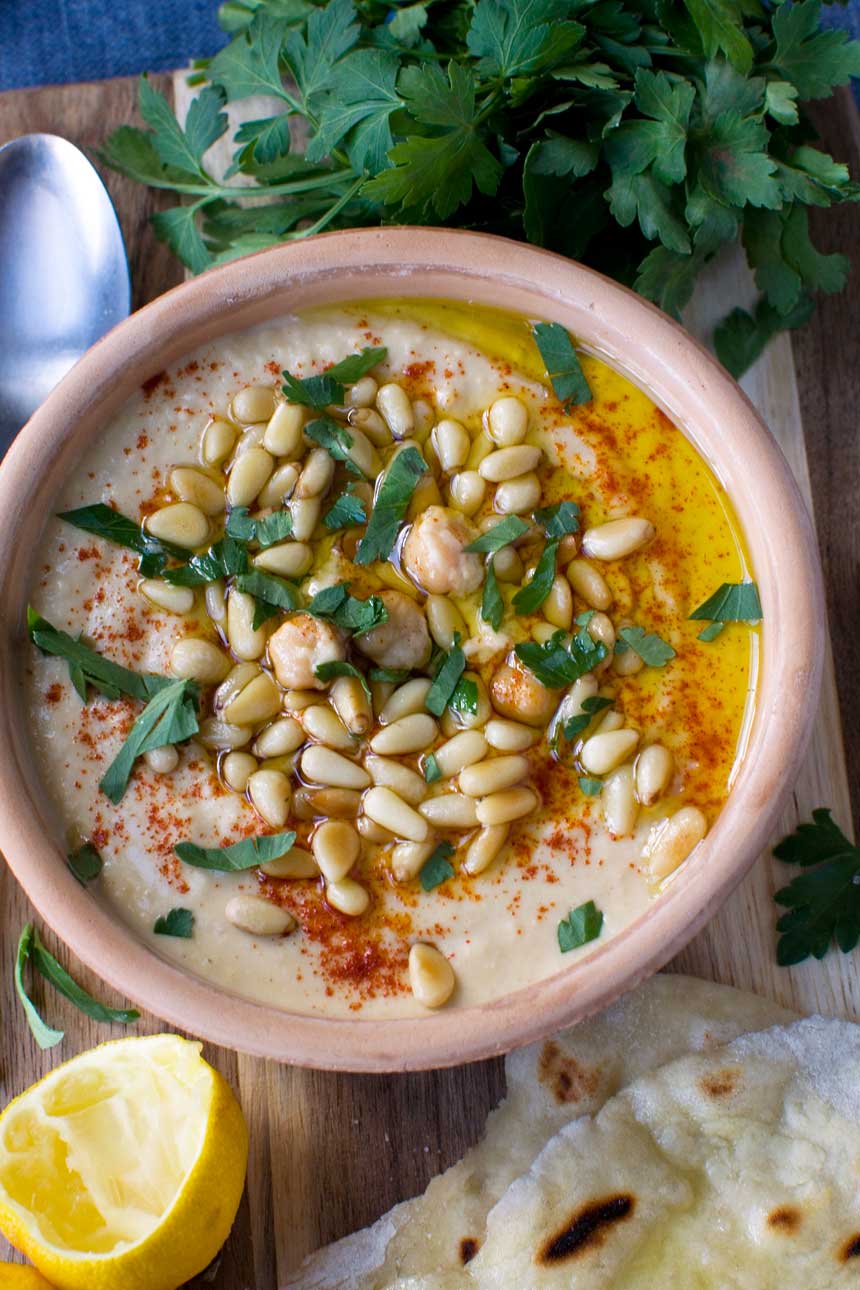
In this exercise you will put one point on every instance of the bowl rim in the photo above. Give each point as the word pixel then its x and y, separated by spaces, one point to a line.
pixel 680 376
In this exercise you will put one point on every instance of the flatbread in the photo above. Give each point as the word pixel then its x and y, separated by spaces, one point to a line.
pixel 549 1084
pixel 738 1169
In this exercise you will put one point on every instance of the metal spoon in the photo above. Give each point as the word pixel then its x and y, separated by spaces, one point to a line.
pixel 64 277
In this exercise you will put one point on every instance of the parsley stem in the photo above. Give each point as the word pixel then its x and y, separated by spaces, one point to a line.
pixel 330 214
pixel 329 180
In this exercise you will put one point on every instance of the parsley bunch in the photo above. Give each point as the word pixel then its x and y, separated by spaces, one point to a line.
pixel 638 137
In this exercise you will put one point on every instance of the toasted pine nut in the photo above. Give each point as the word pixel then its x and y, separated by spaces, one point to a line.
pixel 409 858
pixel 176 600
pixel 467 490
pixel 610 720
pixel 558 606
pixel 493 774
pixel 600 629
pixel 363 393
pixel 191 485
pixel 370 423
pixel 161 761
pixel 283 434
pixel 381 692
pixel 373 832
pixel 269 791
pixel 305 512
pixel 347 897
pixel 543 632
pixel 250 438
pixel 298 700
pixel 425 419
pixel 507 565
pixel 363 453
pixel 281 485
pixel 350 702
pixel 619 802
pixel 317 474
pixel 259 917
pixel 655 767
pixel 288 559
pixel 482 446
pixel 259 700
pixel 515 496
pixel 248 474
pixel 509 463
pixel 297 863
pixel 180 523
pixel 325 766
pixel 237 678
pixel 604 751
pixel 406 783
pixel 236 769
pixel 484 848
pixel 405 700
pixel 221 735
pixel 451 442
pixel 335 846
pixel 281 737
pixel 406 735
pixel 218 440
pixel 216 601
pixel 431 976
pixel 510 804
pixel 344 803
pixel 508 736
pixel 617 538
pixel 396 407
pixel 389 810
pixel 460 751
pixel 444 620
pixel 253 404
pixel 450 811
pixel 246 641
pixel 507 421
pixel 326 727
pixel 671 840
pixel 198 660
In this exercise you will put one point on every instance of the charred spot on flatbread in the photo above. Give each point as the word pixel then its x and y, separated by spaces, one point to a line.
pixel 785 1218
pixel 587 1228
pixel 568 1080
pixel 721 1083
pixel 851 1248
pixel 468 1249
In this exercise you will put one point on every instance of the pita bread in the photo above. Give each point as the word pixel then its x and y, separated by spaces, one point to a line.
pixel 426 1242
pixel 738 1169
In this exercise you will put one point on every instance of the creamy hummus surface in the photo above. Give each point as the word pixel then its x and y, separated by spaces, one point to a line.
pixel 590 831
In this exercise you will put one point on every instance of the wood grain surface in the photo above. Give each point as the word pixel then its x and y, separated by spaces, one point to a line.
pixel 331 1152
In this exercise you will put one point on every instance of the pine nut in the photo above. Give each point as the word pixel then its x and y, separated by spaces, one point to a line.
pixel 558 606
pixel 409 858
pixel 628 663
pixel 317 474
pixel 249 473
pixel 517 495
pixel 349 700
pixel 373 832
pixel 216 601
pixel 671 841
pixel 280 487
pixel 511 804
pixel 287 559
pixel 283 433
pixel 600 629
pixel 269 791
pixel 507 421
pixel 336 847
pixel 406 735
pixel 568 547
pixel 347 897
pixel 250 438
pixel 482 446
pixel 450 811
pixel 407 783
pixel 425 418
pixel 431 976
pixel 161 761
pixel 220 735
pixel 584 687
pixel 236 769
pixel 344 803
pixel 617 538
pixel 493 775
pixel 254 403
pixel 179 523
pixel 604 751
pixel 451 442
pixel 509 463
pixel 508 736
pixel 444 620
pixel 363 393
pixel 324 725
pixel 237 678
pixel 255 703
pixel 298 700
pixel 218 440
pixel 281 737
pixel 305 512
pixel 287 762
pixel 297 863
pixel 590 584
pixel 176 600
pixel 246 641
pixel 381 692
pixel 610 720
pixel 543 632
pixel 198 660
pixel 460 751
pixel 655 767
pixel 396 407
pixel 619 802
pixel 325 766
pixel 471 720
pixel 404 701
pixel 259 917
pixel 507 565
pixel 370 423
pixel 467 491
pixel 484 848
pixel 362 452
pixel 389 810
pixel 201 490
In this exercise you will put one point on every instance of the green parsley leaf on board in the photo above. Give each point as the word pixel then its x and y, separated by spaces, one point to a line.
pixel 347 512
pixel 247 854
pixel 650 647
pixel 85 863
pixel 392 502
pixel 329 386
pixel 169 718
pixel 583 924
pixel 732 602
pixel 88 668
pixel 348 612
pixel 331 671
pixel 531 596
pixel 501 534
pixel 562 364
pixel 437 868
pixel 45 1036
pixel 824 902
pixel 444 683
pixel 590 786
pixel 432 773
pixel 558 520
pixel 178 922
pixel 561 660
pixel 492 604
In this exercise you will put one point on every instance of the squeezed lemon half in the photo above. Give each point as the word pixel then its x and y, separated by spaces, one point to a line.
pixel 14 1276
pixel 123 1168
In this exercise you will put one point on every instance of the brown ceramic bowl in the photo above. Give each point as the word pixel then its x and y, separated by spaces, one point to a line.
pixel 608 320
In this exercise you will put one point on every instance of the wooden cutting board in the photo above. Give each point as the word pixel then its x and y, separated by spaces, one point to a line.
pixel 330 1152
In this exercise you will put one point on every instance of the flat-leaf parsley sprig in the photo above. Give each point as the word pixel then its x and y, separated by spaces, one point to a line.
pixel 640 138
pixel 824 902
